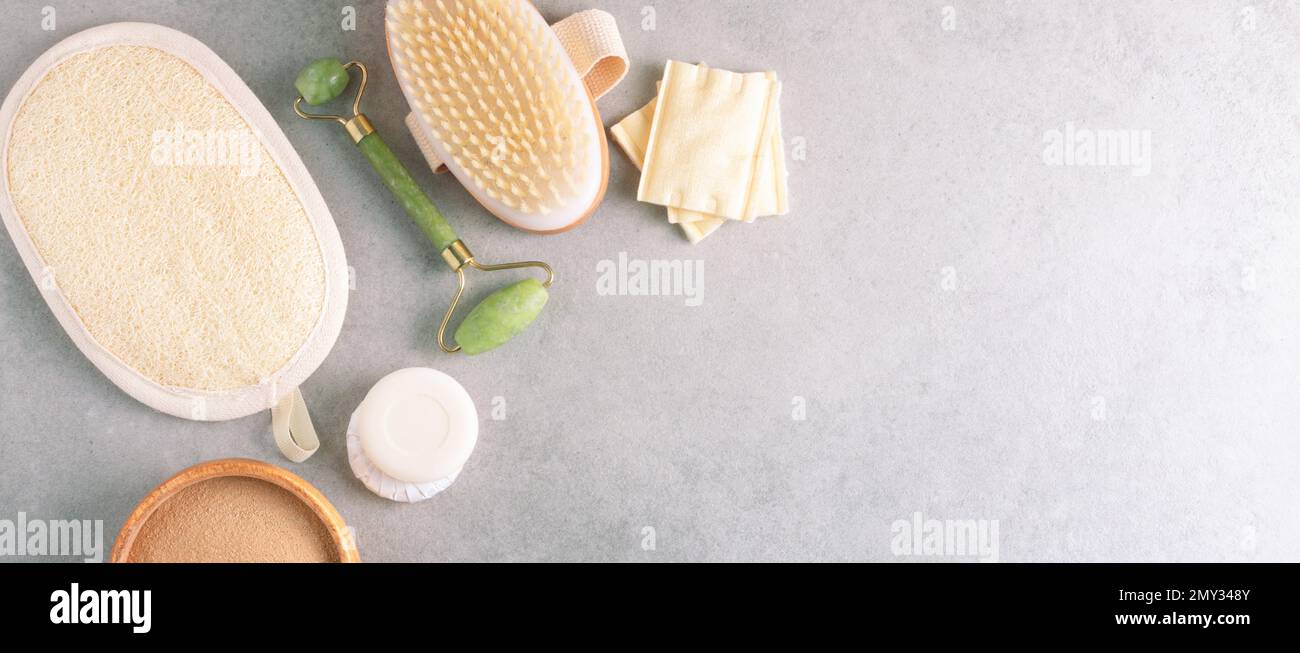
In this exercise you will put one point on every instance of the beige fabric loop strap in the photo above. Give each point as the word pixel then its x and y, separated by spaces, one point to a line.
pixel 594 47
pixel 291 425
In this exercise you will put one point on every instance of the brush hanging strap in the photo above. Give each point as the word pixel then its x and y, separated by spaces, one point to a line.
pixel 593 44
pixel 291 425
pixel 591 38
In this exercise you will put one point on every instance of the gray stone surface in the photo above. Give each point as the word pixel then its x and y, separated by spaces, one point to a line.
pixel 1104 363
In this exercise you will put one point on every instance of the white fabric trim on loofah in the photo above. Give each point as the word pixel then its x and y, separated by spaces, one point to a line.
pixel 189 403
pixel 384 485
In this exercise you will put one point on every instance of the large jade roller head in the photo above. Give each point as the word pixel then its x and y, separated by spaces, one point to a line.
pixel 501 315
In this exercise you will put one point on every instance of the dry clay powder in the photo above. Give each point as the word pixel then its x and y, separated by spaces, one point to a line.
pixel 233 519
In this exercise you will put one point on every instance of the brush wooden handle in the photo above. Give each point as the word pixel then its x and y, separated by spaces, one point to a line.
pixel 398 180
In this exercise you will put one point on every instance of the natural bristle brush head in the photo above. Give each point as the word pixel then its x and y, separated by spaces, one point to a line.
pixel 499 102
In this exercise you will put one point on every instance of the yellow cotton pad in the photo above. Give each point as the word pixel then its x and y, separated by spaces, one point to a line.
pixel 705 140
pixel 170 226
pixel 768 196
pixel 700 229
pixel 632 133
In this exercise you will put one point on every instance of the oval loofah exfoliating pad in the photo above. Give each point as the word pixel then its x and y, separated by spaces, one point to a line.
pixel 171 227
pixel 499 102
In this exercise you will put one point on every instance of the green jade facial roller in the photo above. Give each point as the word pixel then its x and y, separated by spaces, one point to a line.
pixel 502 314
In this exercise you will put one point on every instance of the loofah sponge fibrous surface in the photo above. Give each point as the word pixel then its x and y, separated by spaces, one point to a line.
pixel 164 221
pixel 499 93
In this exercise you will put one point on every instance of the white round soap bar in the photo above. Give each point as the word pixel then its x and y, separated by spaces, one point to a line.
pixel 412 434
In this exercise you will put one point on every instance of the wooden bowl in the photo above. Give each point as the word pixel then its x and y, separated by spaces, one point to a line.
pixel 304 491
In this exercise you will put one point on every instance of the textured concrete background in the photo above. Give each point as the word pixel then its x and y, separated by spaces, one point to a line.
pixel 1107 364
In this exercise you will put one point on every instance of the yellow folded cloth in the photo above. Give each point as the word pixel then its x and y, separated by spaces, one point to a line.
pixel 632 134
pixel 768 191
pixel 705 138
pixel 710 147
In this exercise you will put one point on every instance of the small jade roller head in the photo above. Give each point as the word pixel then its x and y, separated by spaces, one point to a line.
pixel 321 81
pixel 501 316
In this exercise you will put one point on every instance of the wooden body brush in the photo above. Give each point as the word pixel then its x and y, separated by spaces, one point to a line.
pixel 495 98
pixel 502 314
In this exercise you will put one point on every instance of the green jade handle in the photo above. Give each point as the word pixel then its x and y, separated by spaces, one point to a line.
pixel 499 316
pixel 398 180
